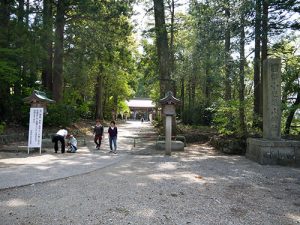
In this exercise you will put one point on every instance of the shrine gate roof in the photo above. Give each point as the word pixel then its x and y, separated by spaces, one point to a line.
pixel 140 103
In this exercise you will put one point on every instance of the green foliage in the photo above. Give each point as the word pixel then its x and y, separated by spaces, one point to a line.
pixel 8 67
pixel 98 42
pixel 75 99
pixel 61 115
pixel 295 127
pixel 101 46
pixel 2 127
pixel 147 81
pixel 198 115
pixel 123 107
pixel 287 50
pixel 226 118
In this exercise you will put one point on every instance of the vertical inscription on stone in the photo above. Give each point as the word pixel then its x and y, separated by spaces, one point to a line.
pixel 275 99
pixel 272 99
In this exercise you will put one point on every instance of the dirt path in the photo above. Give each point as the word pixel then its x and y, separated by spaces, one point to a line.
pixel 198 186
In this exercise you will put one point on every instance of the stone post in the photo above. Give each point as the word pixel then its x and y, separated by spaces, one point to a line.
pixel 168 103
pixel 168 134
pixel 272 99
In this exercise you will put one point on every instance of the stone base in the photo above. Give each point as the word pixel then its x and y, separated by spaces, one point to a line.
pixel 175 145
pixel 273 152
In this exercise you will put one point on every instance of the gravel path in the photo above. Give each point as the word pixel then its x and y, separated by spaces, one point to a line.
pixel 198 186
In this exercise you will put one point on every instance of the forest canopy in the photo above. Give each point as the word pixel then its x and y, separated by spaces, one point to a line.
pixel 86 56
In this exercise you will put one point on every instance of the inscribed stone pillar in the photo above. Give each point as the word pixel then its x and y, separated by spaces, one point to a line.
pixel 271 149
pixel 168 135
pixel 272 99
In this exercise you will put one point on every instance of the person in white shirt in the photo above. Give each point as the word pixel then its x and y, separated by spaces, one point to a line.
pixel 60 136
pixel 72 143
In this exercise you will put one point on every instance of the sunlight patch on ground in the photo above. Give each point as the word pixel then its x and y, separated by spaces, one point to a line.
pixel 160 176
pixel 198 158
pixel 204 147
pixel 15 203
pixel 32 160
pixel 141 184
pixel 37 160
pixel 43 167
pixel 167 166
pixel 146 213
pixel 126 172
pixel 196 178
pixel 294 217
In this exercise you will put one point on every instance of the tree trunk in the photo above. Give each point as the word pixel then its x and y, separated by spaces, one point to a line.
pixel 115 106
pixel 5 6
pixel 264 48
pixel 19 43
pixel 171 5
pixel 58 52
pixel 4 21
pixel 27 12
pixel 47 45
pixel 227 53
pixel 193 86
pixel 99 96
pixel 290 117
pixel 162 47
pixel 189 92
pixel 207 88
pixel 242 78
pixel 257 85
pixel 182 96
pixel 21 12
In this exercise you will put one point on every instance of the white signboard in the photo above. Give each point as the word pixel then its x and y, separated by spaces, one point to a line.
pixel 35 128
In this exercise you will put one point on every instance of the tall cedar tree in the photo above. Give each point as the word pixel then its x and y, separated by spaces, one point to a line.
pixel 162 47
pixel 47 44
pixel 257 79
pixel 242 77
pixel 227 52
pixel 5 7
pixel 58 81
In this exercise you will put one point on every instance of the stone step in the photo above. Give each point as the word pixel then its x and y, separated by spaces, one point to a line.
pixel 175 145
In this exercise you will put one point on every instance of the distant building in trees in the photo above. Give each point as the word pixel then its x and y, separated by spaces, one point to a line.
pixel 141 108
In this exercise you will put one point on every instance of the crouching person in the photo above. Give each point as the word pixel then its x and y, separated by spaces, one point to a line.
pixel 72 143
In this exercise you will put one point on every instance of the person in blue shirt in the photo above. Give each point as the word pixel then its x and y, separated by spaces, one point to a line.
pixel 113 133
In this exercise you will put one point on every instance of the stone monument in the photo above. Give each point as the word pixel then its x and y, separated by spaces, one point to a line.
pixel 271 149
pixel 168 103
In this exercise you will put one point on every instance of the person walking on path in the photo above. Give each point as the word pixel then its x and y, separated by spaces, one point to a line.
pixel 98 134
pixel 60 136
pixel 113 133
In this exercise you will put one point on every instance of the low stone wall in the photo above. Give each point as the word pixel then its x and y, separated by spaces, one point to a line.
pixel 229 145
pixel 174 138
pixel 18 142
pixel 198 138
pixel 273 152
pixel 10 138
pixel 175 145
